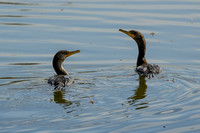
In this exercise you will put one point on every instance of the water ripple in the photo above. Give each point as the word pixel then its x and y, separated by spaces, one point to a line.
pixel 108 95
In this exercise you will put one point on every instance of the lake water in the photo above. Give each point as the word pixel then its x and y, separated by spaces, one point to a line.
pixel 108 95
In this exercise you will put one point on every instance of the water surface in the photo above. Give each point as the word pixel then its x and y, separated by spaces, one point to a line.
pixel 108 95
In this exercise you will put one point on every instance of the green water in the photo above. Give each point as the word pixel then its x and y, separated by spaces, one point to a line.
pixel 108 95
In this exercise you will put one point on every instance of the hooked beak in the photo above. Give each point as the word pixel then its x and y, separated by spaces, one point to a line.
pixel 127 33
pixel 72 52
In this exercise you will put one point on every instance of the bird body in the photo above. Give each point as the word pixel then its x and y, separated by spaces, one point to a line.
pixel 143 68
pixel 148 70
pixel 62 79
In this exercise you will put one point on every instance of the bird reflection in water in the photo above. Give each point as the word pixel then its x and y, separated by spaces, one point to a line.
pixel 140 93
pixel 59 99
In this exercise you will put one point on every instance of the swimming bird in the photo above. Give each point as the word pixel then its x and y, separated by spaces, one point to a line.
pixel 143 68
pixel 62 78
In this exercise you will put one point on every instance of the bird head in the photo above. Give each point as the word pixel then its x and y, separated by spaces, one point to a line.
pixel 136 35
pixel 63 54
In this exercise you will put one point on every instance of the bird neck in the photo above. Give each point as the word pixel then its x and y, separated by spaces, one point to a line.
pixel 142 49
pixel 57 65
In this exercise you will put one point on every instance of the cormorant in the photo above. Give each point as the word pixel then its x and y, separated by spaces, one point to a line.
pixel 143 68
pixel 62 78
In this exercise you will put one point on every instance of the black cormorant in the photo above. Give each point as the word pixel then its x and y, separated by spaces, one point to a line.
pixel 62 78
pixel 143 68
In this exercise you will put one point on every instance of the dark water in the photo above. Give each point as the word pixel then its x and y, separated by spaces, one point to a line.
pixel 108 96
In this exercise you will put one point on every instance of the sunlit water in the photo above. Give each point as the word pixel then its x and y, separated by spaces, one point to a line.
pixel 108 95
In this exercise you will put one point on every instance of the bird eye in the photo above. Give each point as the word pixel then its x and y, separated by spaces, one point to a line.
pixel 65 52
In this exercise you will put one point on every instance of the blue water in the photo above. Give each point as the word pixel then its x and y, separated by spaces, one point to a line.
pixel 108 95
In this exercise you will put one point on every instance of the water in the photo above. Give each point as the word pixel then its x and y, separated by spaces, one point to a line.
pixel 108 96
